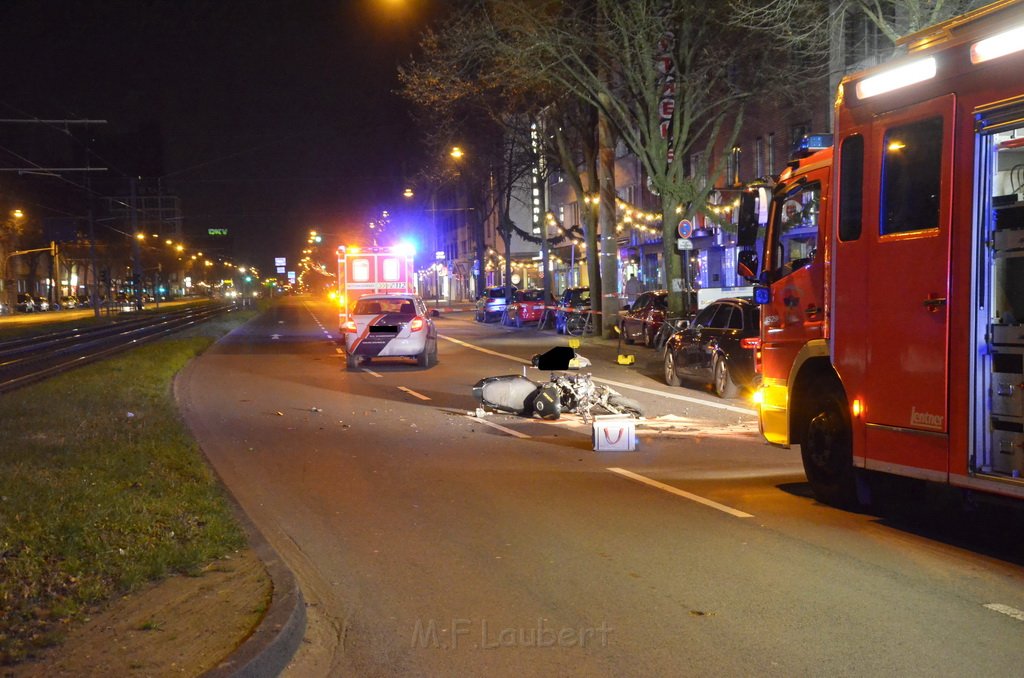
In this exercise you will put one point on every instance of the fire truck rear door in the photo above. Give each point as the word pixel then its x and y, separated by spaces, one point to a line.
pixel 908 275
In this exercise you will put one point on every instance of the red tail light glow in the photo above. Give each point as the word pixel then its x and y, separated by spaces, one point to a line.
pixel 349 326
pixel 417 324
pixel 754 344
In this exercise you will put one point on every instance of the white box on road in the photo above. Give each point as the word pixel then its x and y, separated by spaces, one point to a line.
pixel 614 433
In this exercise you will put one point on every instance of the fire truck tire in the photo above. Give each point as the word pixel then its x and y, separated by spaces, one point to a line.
pixel 827 452
pixel 723 384
pixel 671 377
pixel 352 361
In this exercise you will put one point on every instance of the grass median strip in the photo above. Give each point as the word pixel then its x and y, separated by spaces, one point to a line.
pixel 102 489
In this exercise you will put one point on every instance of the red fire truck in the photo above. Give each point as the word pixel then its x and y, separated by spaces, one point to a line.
pixel 373 270
pixel 892 273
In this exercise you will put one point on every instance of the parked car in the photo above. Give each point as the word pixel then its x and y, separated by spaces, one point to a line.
pixel 26 303
pixel 491 304
pixel 572 301
pixel 390 326
pixel 718 348
pixel 528 307
pixel 642 320
pixel 42 304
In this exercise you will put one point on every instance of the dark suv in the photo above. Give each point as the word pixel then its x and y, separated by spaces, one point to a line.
pixel 572 301
pixel 717 348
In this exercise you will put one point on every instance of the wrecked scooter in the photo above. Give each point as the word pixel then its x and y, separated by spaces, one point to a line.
pixel 576 393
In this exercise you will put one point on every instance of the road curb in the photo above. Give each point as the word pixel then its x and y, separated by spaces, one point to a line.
pixel 273 643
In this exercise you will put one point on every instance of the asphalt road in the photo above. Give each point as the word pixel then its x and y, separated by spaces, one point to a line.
pixel 428 542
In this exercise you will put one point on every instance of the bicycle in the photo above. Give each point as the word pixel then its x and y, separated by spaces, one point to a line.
pixel 578 323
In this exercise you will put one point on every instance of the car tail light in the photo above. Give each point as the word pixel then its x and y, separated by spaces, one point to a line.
pixel 417 324
pixel 349 326
pixel 753 343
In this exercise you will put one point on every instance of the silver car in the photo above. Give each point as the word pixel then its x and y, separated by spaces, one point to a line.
pixel 390 326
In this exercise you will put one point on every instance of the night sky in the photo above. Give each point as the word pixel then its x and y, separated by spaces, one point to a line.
pixel 268 117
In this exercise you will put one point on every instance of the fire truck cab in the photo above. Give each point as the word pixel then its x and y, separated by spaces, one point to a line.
pixel 892 271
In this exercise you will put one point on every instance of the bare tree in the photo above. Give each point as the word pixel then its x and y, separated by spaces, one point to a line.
pixel 462 101
pixel 811 27
pixel 672 76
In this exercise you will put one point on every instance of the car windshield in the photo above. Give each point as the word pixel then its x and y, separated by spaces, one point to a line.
pixel 533 295
pixel 374 306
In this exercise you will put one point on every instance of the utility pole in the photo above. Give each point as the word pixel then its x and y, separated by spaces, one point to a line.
pixel 136 253
pixel 94 291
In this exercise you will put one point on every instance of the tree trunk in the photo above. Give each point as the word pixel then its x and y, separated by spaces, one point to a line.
pixel 609 256
pixel 481 249
pixel 679 301
pixel 506 236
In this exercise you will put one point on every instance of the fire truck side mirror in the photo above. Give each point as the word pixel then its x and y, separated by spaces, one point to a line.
pixel 746 225
pixel 746 265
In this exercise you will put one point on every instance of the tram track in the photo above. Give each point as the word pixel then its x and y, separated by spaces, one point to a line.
pixel 29 359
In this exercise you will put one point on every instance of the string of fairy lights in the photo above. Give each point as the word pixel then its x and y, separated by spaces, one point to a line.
pixel 643 222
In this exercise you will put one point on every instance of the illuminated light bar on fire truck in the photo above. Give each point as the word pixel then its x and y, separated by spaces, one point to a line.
pixel 998 45
pixel 809 143
pixel 895 78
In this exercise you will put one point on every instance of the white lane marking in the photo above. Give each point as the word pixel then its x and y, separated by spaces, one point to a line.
pixel 663 394
pixel 1007 610
pixel 485 350
pixel 501 428
pixel 372 373
pixel 680 493
pixel 618 384
pixel 413 393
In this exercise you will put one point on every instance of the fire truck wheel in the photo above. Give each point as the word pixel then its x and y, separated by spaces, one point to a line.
pixel 827 453
pixel 352 361
pixel 671 378
pixel 723 384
